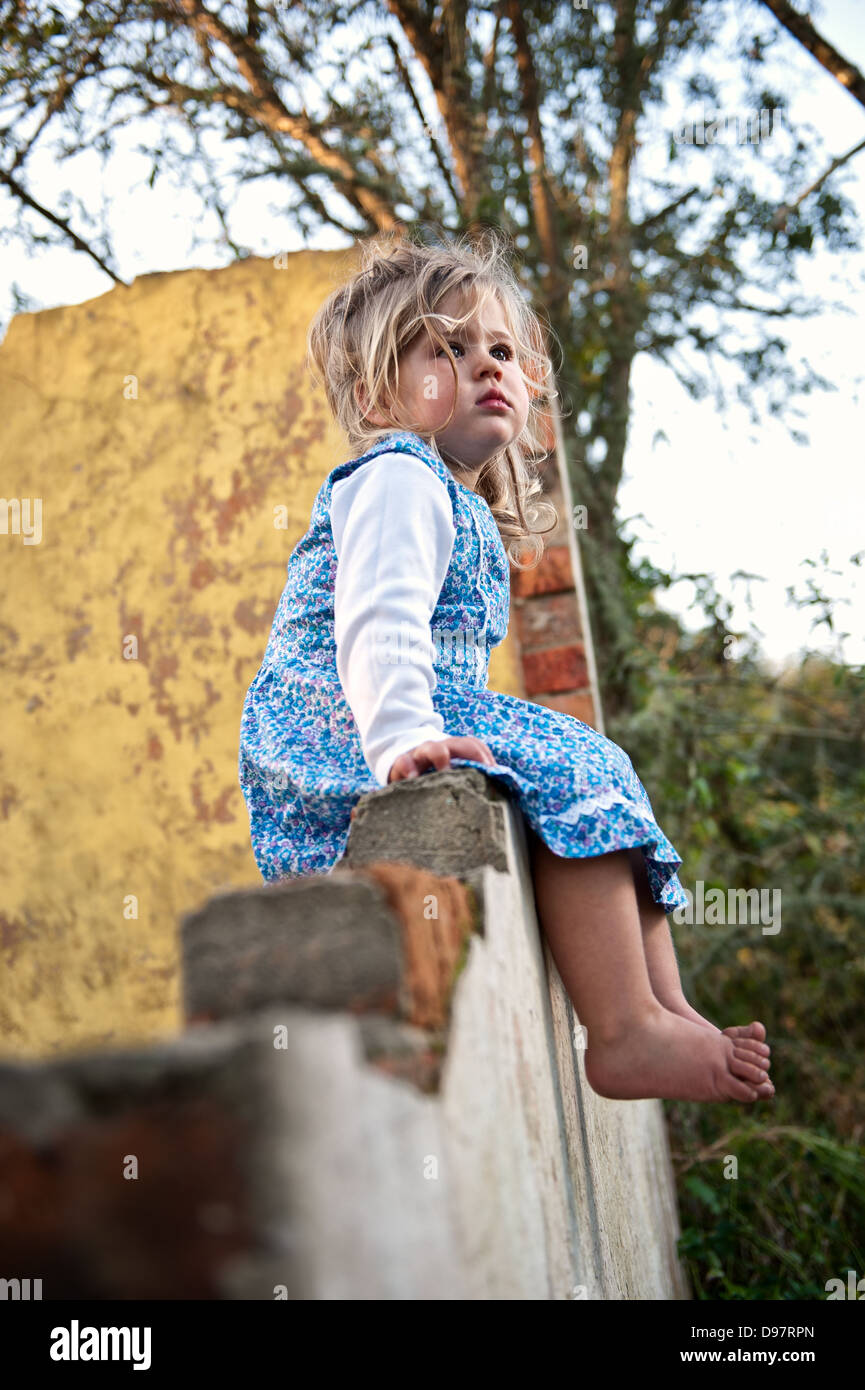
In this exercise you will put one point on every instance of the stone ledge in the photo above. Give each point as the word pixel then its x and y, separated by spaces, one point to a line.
pixel 449 822
pixel 387 938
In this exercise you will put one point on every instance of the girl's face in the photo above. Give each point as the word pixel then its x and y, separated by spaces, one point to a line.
pixel 486 361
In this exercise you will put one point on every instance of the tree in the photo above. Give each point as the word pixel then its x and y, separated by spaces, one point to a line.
pixel 561 123
pixel 850 77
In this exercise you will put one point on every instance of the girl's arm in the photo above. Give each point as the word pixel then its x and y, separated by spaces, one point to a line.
pixel 393 532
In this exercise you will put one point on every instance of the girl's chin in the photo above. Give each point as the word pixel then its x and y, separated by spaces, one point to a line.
pixel 497 426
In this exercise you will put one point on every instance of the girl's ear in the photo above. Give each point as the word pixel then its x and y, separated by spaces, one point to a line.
pixel 361 396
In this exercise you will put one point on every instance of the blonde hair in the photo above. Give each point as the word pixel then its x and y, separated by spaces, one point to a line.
pixel 358 334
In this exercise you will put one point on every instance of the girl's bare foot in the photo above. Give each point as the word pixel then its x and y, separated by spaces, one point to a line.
pixel 751 1036
pixel 681 1007
pixel 664 1056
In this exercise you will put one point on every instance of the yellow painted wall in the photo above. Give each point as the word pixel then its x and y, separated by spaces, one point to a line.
pixel 159 425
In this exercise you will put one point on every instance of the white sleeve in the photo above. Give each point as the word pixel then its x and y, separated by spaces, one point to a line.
pixel 393 532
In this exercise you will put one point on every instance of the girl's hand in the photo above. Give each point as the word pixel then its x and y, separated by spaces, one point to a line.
pixel 437 754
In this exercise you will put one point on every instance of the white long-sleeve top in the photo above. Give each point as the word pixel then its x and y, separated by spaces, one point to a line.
pixel 393 532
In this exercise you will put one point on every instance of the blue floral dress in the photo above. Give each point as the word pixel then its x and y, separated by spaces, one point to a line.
pixel 301 767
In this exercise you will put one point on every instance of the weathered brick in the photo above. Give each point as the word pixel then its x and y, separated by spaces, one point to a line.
pixel 552 576
pixel 550 620
pixel 436 917
pixel 555 669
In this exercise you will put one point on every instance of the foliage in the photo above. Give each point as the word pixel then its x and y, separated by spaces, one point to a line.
pixel 758 778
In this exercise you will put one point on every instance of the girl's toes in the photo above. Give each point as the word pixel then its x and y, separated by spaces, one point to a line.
pixel 753 1046
pixel 755 1031
pixel 745 1069
pixel 738 1090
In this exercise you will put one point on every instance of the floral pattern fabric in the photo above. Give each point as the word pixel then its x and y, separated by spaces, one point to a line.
pixel 301 767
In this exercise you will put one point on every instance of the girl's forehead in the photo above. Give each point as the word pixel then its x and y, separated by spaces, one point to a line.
pixel 484 307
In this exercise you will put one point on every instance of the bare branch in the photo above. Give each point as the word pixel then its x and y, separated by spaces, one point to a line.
pixel 350 183
pixel 316 202
pixel 676 9
pixel 29 201
pixel 270 110
pixel 542 202
pixel 65 87
pixel 801 27
pixel 287 167
pixel 657 217
pixel 780 218
pixel 436 147
pixel 441 48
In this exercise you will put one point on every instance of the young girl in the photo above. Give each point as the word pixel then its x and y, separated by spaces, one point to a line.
pixel 376 668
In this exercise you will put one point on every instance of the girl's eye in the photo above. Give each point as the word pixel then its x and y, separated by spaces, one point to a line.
pixel 500 347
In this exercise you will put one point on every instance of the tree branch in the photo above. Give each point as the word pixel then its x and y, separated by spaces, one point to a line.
pixel 287 168
pixel 657 217
pixel 436 147
pixel 801 27
pixel 64 90
pixel 271 111
pixel 427 45
pixel 675 10
pixel 542 202
pixel 783 212
pixel 349 182
pixel 441 48
pixel 29 201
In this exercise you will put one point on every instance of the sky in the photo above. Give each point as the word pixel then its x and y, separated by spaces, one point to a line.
pixel 721 496
pixel 704 490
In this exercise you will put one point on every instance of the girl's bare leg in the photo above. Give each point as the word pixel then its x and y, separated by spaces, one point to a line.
pixel 664 969
pixel 636 1047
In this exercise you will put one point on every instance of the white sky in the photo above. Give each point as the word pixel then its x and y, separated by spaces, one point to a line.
pixel 720 495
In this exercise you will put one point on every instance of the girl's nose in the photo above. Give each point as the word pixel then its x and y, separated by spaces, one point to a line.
pixel 487 362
